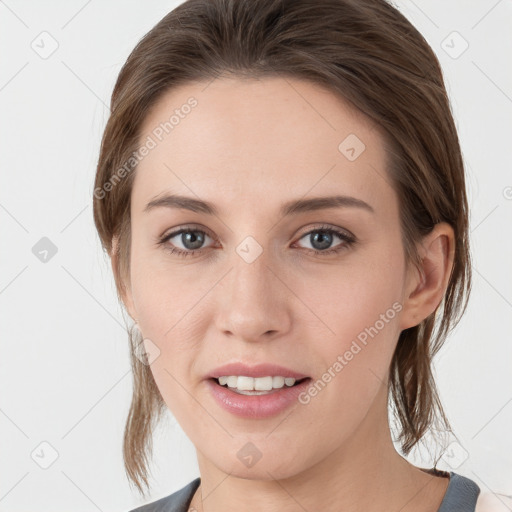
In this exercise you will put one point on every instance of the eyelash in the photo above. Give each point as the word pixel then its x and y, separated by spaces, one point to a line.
pixel 349 240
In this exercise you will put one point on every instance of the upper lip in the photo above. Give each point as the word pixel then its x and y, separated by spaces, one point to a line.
pixel 258 370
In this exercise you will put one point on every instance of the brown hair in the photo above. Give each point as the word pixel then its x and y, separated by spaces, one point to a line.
pixel 368 53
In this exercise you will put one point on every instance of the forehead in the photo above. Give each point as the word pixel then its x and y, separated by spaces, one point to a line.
pixel 269 139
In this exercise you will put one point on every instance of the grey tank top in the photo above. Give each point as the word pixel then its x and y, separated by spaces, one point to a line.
pixel 460 496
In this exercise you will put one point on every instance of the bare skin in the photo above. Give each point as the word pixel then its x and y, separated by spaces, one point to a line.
pixel 247 147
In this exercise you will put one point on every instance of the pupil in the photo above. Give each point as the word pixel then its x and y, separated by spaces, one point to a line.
pixel 191 241
pixel 325 240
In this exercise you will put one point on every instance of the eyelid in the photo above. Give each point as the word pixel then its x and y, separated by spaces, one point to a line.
pixel 185 227
pixel 327 227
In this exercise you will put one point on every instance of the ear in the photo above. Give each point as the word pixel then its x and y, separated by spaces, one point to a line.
pixel 425 287
pixel 123 287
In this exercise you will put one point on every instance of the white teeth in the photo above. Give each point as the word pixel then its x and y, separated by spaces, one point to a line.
pixel 244 383
pixel 278 382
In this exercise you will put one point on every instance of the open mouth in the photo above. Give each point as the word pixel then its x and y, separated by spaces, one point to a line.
pixel 259 392
pixel 251 403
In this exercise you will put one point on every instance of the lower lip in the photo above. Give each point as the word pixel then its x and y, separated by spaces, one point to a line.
pixel 256 406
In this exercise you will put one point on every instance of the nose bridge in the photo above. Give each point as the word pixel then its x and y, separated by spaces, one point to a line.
pixel 251 275
pixel 252 303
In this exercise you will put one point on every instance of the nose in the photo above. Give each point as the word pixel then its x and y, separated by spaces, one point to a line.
pixel 252 302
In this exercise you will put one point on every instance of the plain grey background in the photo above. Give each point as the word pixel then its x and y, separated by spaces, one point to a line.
pixel 64 367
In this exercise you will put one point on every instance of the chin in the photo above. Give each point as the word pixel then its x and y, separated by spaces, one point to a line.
pixel 243 459
pixel 261 472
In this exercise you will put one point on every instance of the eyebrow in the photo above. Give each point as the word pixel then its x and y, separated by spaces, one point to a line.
pixel 288 208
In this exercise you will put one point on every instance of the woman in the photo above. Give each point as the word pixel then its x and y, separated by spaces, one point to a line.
pixel 281 191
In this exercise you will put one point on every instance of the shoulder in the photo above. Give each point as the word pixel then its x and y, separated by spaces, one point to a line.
pixel 490 502
pixel 176 502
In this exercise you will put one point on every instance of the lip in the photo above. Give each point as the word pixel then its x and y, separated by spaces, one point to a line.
pixel 256 406
pixel 259 370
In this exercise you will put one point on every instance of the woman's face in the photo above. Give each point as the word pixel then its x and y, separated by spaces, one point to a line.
pixel 254 291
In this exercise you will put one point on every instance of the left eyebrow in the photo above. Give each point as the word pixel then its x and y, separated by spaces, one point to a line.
pixel 289 208
pixel 320 203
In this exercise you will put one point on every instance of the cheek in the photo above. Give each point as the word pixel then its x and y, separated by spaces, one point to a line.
pixel 170 304
pixel 167 295
pixel 349 297
pixel 361 308
pixel 358 310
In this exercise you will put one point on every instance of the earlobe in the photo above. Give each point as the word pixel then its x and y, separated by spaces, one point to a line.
pixel 426 285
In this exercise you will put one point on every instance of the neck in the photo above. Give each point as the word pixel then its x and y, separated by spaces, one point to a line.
pixel 365 473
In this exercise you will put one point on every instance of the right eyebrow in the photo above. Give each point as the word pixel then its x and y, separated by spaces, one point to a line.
pixel 183 202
